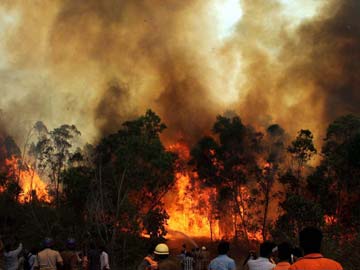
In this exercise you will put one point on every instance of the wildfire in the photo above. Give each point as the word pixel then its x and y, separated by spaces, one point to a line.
pixel 29 181
pixel 188 204
pixel 330 220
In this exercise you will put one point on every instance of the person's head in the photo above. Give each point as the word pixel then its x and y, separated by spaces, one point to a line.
pixel 7 247
pixel 33 250
pixel 162 251
pixel 310 240
pixel 92 245
pixel 71 243
pixel 48 242
pixel 284 252
pixel 266 249
pixel 102 248
pixel 223 247
pixel 297 253
pixel 203 248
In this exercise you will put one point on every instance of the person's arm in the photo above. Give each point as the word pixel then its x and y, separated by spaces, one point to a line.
pixel 17 251
pixel 59 259
pixel 36 263
pixel 106 261
pixel 232 265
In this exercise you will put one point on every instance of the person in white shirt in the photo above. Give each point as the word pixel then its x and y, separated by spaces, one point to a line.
pixel 11 257
pixel 104 260
pixel 263 261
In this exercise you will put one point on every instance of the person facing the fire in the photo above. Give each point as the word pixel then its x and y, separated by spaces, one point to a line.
pixel 188 263
pixel 284 256
pixel 222 261
pixel 104 259
pixel 48 259
pixel 162 256
pixel 71 259
pixel 263 261
pixel 310 240
pixel 149 262
pixel 11 254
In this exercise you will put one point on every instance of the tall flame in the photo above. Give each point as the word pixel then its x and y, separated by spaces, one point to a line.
pixel 29 181
pixel 188 204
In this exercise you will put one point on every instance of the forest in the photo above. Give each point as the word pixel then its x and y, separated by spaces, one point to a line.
pixel 259 183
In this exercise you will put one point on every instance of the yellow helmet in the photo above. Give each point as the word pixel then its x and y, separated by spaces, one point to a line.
pixel 161 249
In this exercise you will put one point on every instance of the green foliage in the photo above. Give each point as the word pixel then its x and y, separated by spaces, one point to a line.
pixel 299 212
pixel 302 148
pixel 228 164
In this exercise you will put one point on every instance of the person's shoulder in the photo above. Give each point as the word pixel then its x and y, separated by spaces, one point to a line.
pixel 333 262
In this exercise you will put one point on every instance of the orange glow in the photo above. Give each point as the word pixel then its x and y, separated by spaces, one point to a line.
pixel 188 204
pixel 330 219
pixel 29 181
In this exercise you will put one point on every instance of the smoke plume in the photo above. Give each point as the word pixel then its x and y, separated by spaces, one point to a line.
pixel 97 63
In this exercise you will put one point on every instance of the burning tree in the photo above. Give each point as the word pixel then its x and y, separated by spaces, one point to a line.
pixel 52 152
pixel 133 172
pixel 229 164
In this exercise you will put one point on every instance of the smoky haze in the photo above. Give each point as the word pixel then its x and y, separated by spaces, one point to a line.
pixel 97 63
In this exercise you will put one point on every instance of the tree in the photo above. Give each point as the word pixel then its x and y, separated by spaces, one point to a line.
pixel 302 149
pixel 133 173
pixel 274 151
pixel 52 152
pixel 228 165
pixel 298 211
pixel 341 167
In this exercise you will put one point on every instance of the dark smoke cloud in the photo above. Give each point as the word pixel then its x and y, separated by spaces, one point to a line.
pixel 311 75
pixel 63 55
pixel 332 46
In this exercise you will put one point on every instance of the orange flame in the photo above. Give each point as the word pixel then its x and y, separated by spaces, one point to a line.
pixel 330 220
pixel 188 204
pixel 29 181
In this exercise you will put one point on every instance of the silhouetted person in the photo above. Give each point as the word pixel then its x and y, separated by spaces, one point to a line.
pixel 11 255
pixel 70 257
pixel 222 261
pixel 165 261
pixel 310 241
pixel 104 259
pixel 149 262
pixel 48 259
pixel 284 256
pixel 94 257
pixel 188 263
pixel 263 261
pixel 296 254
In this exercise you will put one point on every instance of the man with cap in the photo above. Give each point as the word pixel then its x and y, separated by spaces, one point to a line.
pixel 162 256
pixel 48 259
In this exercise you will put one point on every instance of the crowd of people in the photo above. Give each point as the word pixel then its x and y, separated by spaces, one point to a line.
pixel 15 257
pixel 269 257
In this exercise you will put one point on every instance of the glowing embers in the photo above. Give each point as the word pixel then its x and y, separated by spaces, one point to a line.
pixel 330 220
pixel 30 182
